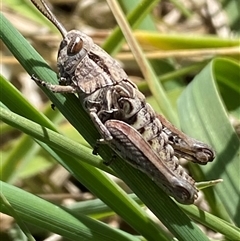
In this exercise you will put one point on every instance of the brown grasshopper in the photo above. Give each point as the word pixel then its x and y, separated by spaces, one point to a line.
pixel 123 118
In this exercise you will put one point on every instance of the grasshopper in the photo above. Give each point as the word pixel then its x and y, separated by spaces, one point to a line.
pixel 119 111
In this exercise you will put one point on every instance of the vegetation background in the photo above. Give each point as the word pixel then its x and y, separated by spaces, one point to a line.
pixel 54 187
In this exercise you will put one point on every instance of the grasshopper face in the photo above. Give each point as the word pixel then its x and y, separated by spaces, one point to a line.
pixel 73 49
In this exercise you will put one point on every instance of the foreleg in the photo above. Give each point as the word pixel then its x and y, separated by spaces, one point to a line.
pixel 56 88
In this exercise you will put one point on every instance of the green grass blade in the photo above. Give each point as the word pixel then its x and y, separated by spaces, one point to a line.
pixel 52 139
pixel 36 211
pixel 113 43
pixel 98 208
pixel 184 41
pixel 213 222
pixel 10 209
pixel 203 115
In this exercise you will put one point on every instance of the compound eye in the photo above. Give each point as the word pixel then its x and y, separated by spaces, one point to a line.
pixel 75 46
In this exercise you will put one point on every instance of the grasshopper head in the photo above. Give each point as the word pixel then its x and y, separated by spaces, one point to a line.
pixel 73 48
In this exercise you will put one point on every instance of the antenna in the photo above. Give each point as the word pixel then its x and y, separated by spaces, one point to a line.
pixel 50 16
